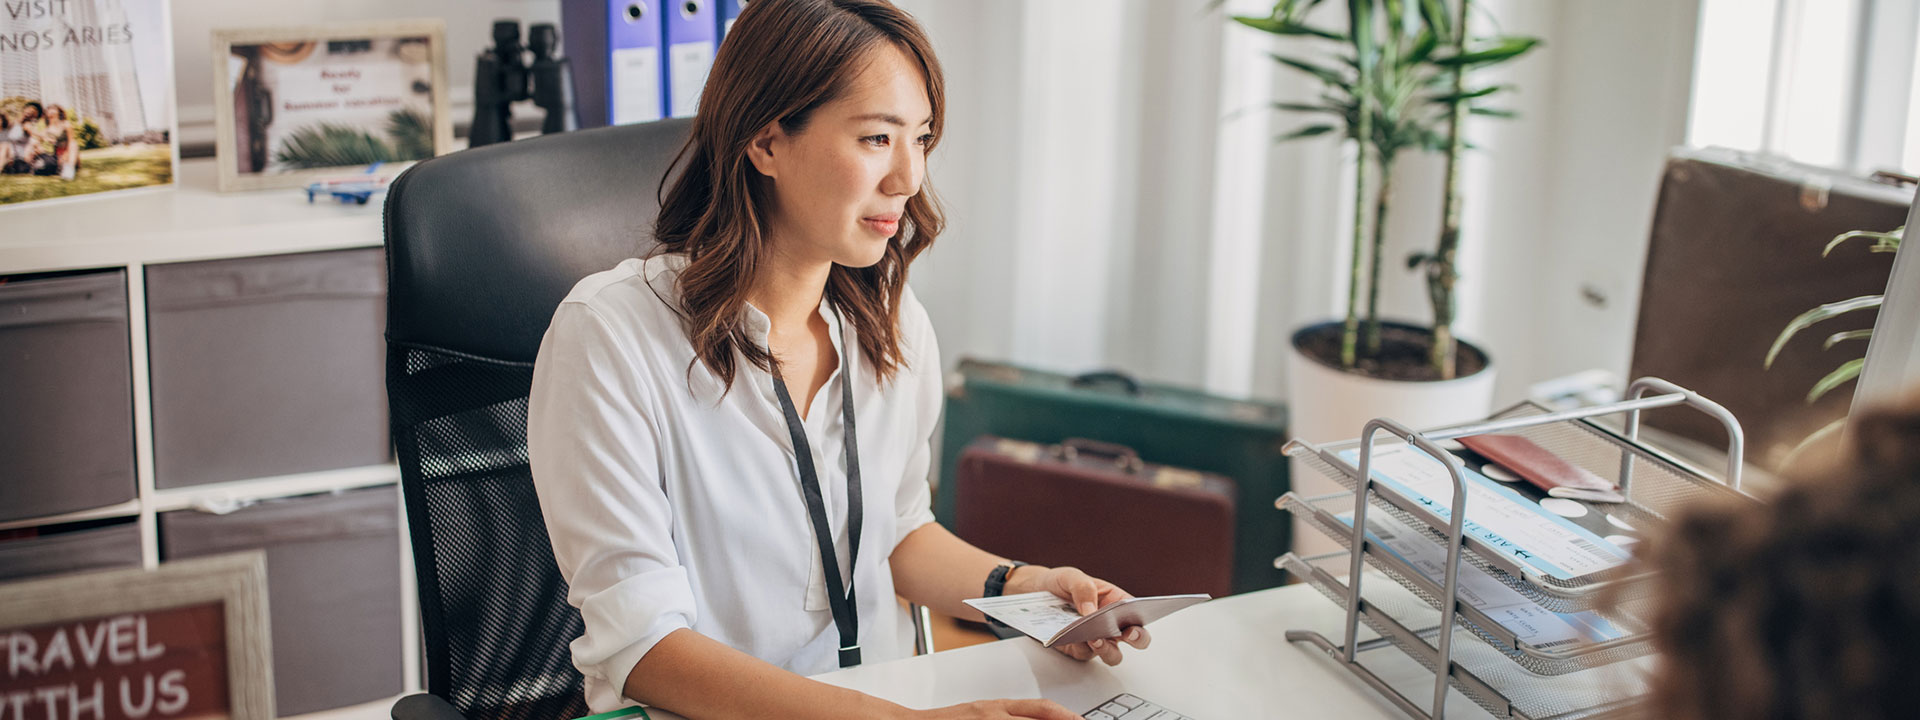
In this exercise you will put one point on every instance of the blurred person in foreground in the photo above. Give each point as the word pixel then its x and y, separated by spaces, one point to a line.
pixel 1805 605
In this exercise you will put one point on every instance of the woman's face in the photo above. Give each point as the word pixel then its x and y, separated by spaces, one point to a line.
pixel 842 183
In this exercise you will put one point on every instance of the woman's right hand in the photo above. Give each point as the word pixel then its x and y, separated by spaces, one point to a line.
pixel 999 710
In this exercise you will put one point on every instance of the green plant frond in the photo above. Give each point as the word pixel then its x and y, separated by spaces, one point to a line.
pixel 1840 375
pixel 325 145
pixel 411 133
pixel 1433 13
pixel 1494 112
pixel 1423 46
pixel 1830 432
pixel 1306 132
pixel 1448 98
pixel 1278 26
pixel 1325 74
pixel 1889 240
pixel 1310 108
pixel 1838 338
pixel 1808 318
pixel 1502 50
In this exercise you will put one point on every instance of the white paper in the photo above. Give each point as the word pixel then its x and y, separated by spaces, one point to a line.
pixel 1497 516
pixel 690 64
pixel 636 85
pixel 1039 614
pixel 1529 623
pixel 1053 621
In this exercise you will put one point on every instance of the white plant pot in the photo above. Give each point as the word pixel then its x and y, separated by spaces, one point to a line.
pixel 1326 405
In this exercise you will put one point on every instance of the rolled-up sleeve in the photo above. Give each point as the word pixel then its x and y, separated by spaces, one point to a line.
pixel 595 454
pixel 913 502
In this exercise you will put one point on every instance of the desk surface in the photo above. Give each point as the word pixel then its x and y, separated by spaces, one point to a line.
pixel 1224 659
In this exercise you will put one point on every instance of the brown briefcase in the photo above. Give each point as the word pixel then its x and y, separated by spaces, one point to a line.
pixel 1150 529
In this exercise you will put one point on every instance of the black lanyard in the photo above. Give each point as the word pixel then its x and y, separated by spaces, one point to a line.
pixel 840 596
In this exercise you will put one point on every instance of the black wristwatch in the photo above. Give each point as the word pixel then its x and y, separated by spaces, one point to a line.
pixel 997 580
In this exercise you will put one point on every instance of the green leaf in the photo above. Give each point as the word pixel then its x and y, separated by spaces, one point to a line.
pixel 1840 375
pixel 1448 98
pixel 1838 338
pixel 1818 314
pixel 1503 49
pixel 1309 108
pixel 1287 27
pixel 1494 112
pixel 1831 431
pixel 1306 132
pixel 1325 74
pixel 1360 27
pixel 1880 240
pixel 1423 47
pixel 1434 14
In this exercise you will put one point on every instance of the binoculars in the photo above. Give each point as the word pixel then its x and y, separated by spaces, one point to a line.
pixel 503 76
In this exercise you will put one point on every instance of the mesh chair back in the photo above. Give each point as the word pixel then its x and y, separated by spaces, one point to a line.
pixel 482 245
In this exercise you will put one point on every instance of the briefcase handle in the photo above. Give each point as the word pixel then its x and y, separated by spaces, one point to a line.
pixel 1126 382
pixel 1124 457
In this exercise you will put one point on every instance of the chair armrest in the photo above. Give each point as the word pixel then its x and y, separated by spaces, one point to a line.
pixel 424 706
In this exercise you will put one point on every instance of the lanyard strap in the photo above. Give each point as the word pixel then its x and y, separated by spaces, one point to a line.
pixel 840 596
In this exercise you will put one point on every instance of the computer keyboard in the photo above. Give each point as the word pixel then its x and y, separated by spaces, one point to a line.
pixel 1129 707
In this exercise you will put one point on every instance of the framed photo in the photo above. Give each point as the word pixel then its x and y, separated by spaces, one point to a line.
pixel 86 98
pixel 185 641
pixel 295 104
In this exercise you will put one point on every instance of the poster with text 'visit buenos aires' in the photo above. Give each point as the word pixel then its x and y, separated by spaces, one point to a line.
pixel 86 98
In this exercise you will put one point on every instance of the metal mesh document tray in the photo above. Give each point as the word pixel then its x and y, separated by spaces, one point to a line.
pixel 1480 671
pixel 1323 514
pixel 1655 485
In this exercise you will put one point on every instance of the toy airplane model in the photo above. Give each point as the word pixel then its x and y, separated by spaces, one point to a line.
pixel 358 189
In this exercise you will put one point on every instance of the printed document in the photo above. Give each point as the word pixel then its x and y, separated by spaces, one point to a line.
pixel 1052 620
pixel 1499 517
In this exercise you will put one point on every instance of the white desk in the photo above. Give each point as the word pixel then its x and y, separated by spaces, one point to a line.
pixel 1221 660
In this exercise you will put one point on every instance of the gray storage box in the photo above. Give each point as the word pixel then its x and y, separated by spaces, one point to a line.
pixel 99 548
pixel 267 366
pixel 66 388
pixel 333 589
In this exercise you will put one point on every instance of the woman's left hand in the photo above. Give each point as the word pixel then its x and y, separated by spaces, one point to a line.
pixel 1087 593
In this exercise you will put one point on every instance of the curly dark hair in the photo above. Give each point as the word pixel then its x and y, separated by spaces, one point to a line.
pixel 1804 606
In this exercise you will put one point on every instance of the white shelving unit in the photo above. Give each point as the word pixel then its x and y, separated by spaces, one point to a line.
pixel 191 221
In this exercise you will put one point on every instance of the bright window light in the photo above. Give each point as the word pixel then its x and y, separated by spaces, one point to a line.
pixel 1731 74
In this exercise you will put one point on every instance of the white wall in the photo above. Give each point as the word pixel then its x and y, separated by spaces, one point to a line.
pixel 1114 204
pixel 1113 198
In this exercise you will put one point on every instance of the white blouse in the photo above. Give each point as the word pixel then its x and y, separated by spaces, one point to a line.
pixel 671 505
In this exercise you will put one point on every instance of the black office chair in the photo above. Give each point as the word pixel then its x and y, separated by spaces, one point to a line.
pixel 481 246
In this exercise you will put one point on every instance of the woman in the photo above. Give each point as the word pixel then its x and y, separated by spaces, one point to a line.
pixel 723 431
pixel 66 144
pixel 1806 606
pixel 24 138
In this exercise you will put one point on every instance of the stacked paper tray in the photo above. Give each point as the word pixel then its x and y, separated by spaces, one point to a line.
pixel 1659 485
pixel 1555 643
pixel 1479 671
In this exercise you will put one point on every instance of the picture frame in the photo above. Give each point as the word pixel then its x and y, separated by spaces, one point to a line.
pixel 143 644
pixel 87 105
pixel 296 104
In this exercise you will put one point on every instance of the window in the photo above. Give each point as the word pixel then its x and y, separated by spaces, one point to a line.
pixel 1824 82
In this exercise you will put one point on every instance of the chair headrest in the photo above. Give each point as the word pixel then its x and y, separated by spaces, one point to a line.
pixel 483 244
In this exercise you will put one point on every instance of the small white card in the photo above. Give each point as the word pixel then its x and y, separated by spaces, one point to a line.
pixel 1052 620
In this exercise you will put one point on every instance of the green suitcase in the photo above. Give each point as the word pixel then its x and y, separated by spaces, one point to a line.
pixel 1166 425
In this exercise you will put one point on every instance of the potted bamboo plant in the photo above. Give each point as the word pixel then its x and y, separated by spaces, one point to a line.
pixel 1394 80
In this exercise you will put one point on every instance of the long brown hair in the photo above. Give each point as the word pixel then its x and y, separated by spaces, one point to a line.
pixel 1806 606
pixel 782 61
